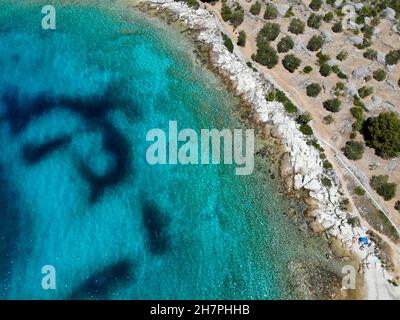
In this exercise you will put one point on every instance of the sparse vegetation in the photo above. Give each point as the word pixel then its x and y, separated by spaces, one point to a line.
pixel 227 42
pixel 328 119
pixel 393 57
pixel 370 54
pixel 342 55
pixel 354 150
pixel 365 91
pixel 359 191
pixel 304 118
pixel 326 182
pixel 337 27
pixel 241 38
pixel 397 206
pixel 383 187
pixel 289 106
pixel 325 70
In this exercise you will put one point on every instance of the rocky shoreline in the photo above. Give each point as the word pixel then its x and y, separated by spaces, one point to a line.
pixel 301 166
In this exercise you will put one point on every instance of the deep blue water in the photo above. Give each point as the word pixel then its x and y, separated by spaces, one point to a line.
pixel 76 191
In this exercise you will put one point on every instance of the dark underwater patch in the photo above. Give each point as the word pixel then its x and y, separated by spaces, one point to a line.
pixel 115 143
pixel 33 153
pixel 156 225
pixel 101 284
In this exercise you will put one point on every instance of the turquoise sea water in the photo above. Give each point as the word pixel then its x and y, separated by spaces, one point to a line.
pixel 76 191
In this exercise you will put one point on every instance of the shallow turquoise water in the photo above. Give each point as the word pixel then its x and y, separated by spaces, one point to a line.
pixel 87 202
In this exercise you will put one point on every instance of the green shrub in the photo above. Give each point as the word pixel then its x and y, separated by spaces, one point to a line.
pixel 393 57
pixel 332 105
pixel 328 119
pixel 322 58
pixel 370 54
pixel 289 106
pixel 354 150
pixel 315 5
pixel 307 69
pixel 365 91
pixel 291 62
pixel 241 38
pixel 270 12
pixel 383 134
pixel 359 191
pixel 255 8
pixel 397 206
pixel 227 42
pixel 306 130
pixel 315 43
pixel 266 56
pixel 313 89
pixel 379 75
pixel 314 21
pixel 226 12
pixel 269 32
pixel 270 96
pixel 358 114
pixel 383 187
pixel 304 118
pixel 337 27
pixel 296 26
pixel 342 55
pixel 325 70
pixel 285 44
pixel 326 182
pixel 193 4
pixel 327 165
pixel 328 17
pixel 237 17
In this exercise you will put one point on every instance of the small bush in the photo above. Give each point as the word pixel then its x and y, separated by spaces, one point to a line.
pixel 227 42
pixel 359 191
pixel 306 130
pixel 328 119
pixel 365 92
pixel 315 5
pixel 270 96
pixel 325 70
pixel 307 69
pixel 241 38
pixel 332 105
pixel 342 55
pixel 304 118
pixel 193 4
pixel 266 56
pixel 226 12
pixel 370 54
pixel 354 150
pixel 289 106
pixel 296 26
pixel 313 89
pixel 291 62
pixel 393 57
pixel 326 182
pixel 327 165
pixel 270 12
pixel 379 75
pixel 255 8
pixel 397 206
pixel 337 27
pixel 269 32
pixel 328 17
pixel 285 44
pixel 237 17
pixel 383 187
pixel 315 43
pixel 314 21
